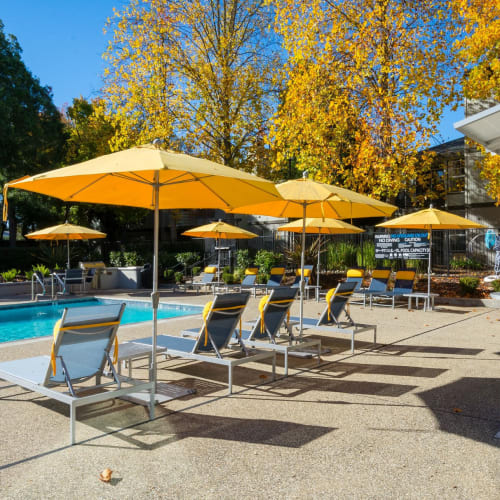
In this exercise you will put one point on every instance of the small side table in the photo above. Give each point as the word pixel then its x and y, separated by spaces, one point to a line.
pixel 129 351
pixel 428 299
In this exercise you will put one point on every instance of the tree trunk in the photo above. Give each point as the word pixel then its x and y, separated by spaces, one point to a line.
pixel 12 224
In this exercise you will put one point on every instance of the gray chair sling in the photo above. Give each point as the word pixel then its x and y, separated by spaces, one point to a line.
pixel 80 352
pixel 264 333
pixel 211 342
pixel 330 319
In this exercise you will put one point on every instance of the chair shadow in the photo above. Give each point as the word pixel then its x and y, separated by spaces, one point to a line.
pixel 467 407
pixel 342 369
pixel 399 349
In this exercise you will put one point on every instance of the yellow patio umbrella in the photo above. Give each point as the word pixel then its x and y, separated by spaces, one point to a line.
pixel 150 177
pixel 220 230
pixel 307 198
pixel 320 226
pixel 66 232
pixel 431 219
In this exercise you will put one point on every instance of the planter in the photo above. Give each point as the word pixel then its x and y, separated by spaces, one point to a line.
pixel 15 288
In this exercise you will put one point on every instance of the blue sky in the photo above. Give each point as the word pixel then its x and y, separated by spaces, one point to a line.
pixel 63 41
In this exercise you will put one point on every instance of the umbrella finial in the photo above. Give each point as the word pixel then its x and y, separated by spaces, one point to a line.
pixel 305 174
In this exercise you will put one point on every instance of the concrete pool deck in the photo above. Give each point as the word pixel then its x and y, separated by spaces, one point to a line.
pixel 413 417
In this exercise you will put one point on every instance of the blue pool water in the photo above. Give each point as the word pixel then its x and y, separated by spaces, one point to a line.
pixel 37 320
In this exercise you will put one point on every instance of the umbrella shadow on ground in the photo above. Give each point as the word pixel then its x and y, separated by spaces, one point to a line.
pixel 467 407
pixel 184 425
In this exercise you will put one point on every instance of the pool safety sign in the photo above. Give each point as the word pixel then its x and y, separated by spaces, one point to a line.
pixel 401 246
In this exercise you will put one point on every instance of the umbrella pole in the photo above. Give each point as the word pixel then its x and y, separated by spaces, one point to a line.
pixel 67 241
pixel 155 298
pixel 302 259
pixel 317 266
pixel 218 258
pixel 429 270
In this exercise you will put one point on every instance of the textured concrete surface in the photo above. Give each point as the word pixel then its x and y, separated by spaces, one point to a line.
pixel 413 417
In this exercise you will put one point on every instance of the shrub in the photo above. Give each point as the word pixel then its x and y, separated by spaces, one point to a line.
pixel 132 259
pixel 468 285
pixel 365 255
pixel 196 270
pixel 465 263
pixel 29 274
pixel 41 268
pixel 115 258
pixel 239 274
pixel 243 259
pixel 228 278
pixel 10 274
pixel 168 274
pixel 179 275
pixel 263 278
pixel 265 260
pixel 187 259
pixel 496 285
pixel 341 255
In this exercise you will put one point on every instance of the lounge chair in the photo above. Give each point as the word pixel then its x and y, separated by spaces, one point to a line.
pixel 403 285
pixel 247 283
pixel 307 279
pixel 355 276
pixel 274 309
pixel 83 339
pixel 275 279
pixel 69 278
pixel 378 284
pixel 329 321
pixel 206 278
pixel 221 317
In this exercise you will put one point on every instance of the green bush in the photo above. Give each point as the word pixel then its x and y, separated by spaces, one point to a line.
pixel 365 255
pixel 496 285
pixel 228 278
pixel 265 260
pixel 195 270
pixel 168 274
pixel 29 275
pixel 263 278
pixel 239 274
pixel 188 258
pixel 116 258
pixel 341 256
pixel 468 285
pixel 10 275
pixel 132 259
pixel 179 275
pixel 41 268
pixel 465 263
pixel 243 259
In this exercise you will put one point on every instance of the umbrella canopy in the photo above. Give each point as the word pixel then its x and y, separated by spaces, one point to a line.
pixel 220 230
pixel 66 232
pixel 307 198
pixel 430 219
pixel 153 178
pixel 320 226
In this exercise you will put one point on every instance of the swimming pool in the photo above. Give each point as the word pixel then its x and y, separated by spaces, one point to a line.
pixel 26 321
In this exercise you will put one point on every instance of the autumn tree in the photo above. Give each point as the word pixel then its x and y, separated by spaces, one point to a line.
pixel 367 84
pixel 196 74
pixel 480 52
pixel 31 132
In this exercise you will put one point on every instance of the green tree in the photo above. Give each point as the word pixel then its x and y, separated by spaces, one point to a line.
pixel 31 131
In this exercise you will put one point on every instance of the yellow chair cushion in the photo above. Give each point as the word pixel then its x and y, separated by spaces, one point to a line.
pixel 251 270
pixel 405 275
pixel 278 270
pixel 210 269
pixel 355 273
pixel 381 273
pixel 307 273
